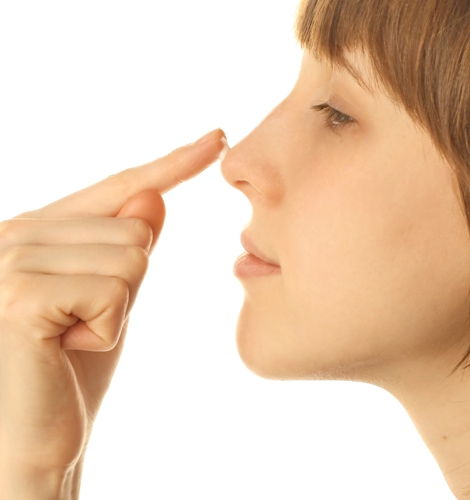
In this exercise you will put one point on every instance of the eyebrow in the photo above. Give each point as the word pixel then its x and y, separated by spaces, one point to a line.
pixel 351 69
pixel 356 75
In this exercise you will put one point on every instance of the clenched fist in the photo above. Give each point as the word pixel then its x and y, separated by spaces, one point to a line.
pixel 69 275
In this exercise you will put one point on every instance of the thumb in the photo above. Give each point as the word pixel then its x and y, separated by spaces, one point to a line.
pixel 149 206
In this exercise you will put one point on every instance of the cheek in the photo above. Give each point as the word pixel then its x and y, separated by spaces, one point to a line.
pixel 365 279
pixel 335 280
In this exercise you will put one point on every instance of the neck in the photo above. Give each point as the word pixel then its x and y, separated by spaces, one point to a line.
pixel 438 402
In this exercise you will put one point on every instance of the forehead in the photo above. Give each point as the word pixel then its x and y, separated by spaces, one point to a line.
pixel 356 68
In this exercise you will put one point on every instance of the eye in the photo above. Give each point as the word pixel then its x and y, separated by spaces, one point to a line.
pixel 334 118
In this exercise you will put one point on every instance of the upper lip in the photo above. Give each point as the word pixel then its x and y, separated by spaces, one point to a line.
pixel 249 246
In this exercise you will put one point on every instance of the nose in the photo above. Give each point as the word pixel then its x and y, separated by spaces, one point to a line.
pixel 250 167
pixel 234 167
pixel 254 165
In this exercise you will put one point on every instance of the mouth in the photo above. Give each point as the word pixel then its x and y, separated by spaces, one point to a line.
pixel 250 247
pixel 250 266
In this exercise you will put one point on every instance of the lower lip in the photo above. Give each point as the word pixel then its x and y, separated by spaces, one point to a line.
pixel 248 266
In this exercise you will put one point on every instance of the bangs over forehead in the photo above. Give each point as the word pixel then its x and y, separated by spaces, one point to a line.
pixel 393 35
pixel 323 29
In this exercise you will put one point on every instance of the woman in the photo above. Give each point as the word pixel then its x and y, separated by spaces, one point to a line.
pixel 360 192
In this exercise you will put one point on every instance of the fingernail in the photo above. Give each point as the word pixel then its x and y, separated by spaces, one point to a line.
pixel 207 137
pixel 225 149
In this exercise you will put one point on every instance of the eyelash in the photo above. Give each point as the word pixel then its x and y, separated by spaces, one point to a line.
pixel 333 113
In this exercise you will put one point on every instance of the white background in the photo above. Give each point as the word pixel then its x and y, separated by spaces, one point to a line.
pixel 90 88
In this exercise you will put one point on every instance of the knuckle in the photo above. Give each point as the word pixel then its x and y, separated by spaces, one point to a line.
pixel 138 258
pixel 12 293
pixel 7 229
pixel 11 256
pixel 141 232
pixel 122 178
pixel 119 288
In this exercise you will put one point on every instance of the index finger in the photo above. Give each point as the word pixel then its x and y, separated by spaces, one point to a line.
pixel 106 197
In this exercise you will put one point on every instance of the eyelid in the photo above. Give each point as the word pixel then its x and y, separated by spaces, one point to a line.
pixel 333 112
pixel 325 105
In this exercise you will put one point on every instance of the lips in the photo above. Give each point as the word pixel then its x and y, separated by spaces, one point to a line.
pixel 250 247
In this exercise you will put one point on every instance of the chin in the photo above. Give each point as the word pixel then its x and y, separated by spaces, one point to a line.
pixel 263 356
pixel 270 359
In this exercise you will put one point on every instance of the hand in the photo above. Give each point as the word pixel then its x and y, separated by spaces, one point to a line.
pixel 69 275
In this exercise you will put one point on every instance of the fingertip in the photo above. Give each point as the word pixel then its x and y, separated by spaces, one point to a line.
pixel 225 149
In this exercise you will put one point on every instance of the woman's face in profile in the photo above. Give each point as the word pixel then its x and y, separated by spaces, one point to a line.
pixel 365 222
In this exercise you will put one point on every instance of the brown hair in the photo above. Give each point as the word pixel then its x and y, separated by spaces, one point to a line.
pixel 420 54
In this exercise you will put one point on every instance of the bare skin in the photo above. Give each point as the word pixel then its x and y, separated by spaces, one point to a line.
pixel 366 223
pixel 69 276
pixel 367 226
